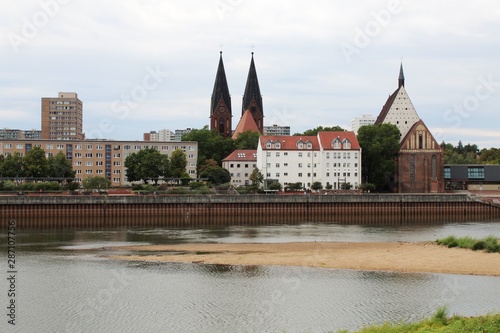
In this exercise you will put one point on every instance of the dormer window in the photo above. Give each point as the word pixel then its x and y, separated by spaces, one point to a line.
pixel 268 144
pixel 277 145
pixel 336 144
pixel 347 144
pixel 309 145
pixel 300 145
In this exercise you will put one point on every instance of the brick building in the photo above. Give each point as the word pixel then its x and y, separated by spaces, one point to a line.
pixel 420 161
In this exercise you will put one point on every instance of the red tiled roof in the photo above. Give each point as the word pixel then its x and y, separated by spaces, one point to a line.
pixel 242 155
pixel 288 142
pixel 326 138
pixel 247 123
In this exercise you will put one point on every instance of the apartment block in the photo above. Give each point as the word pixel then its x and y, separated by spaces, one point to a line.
pixel 101 157
pixel 16 134
pixel 332 158
pixel 276 130
pixel 62 117
pixel 240 164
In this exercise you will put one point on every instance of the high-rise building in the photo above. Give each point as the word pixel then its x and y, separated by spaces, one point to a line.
pixel 276 130
pixel 62 117
pixel 365 119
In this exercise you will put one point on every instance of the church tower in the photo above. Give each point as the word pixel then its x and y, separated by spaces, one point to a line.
pixel 220 107
pixel 252 99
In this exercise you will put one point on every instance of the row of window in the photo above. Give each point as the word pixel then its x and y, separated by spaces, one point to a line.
pixel 300 174
pixel 335 155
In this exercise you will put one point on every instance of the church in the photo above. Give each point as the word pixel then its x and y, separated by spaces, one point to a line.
pixel 419 161
pixel 252 113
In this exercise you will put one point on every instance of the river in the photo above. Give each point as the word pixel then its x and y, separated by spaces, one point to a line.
pixel 61 286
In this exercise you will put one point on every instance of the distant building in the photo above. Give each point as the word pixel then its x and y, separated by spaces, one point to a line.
pixel 331 158
pixel 240 164
pixel 16 134
pixel 419 162
pixel 475 177
pixel 106 158
pixel 357 122
pixel 62 117
pixel 163 135
pixel 180 132
pixel 276 130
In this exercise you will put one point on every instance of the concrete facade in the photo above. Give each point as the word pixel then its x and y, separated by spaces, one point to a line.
pixel 62 117
pixel 101 157
pixel 240 165
pixel 331 158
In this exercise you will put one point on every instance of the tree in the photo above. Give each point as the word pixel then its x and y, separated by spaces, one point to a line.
pixel 35 163
pixel 59 166
pixel 96 183
pixel 12 166
pixel 379 144
pixel 178 163
pixel 314 131
pixel 316 186
pixel 216 175
pixel 275 186
pixel 247 140
pixel 211 145
pixel 256 178
pixel 295 186
pixel 490 156
pixel 147 164
pixel 346 186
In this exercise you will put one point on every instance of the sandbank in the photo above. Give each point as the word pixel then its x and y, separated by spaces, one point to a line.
pixel 424 257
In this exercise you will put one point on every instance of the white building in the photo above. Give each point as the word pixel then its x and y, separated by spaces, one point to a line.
pixel 240 164
pixel 331 158
pixel 365 119
pixel 276 130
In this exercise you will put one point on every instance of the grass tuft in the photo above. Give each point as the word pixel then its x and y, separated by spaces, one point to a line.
pixel 489 244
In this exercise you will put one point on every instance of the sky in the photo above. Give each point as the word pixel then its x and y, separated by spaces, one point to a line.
pixel 147 65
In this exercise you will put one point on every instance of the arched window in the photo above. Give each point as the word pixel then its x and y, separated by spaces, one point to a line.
pixel 420 141
pixel 346 144
pixel 336 144
pixel 221 126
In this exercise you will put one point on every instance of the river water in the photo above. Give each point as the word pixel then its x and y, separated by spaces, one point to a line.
pixel 63 286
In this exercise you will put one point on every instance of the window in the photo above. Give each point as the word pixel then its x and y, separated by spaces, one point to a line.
pixel 475 172
pixel 60 147
pixel 49 146
pixel 300 174
pixel 433 166
pixel 347 144
pixel 285 154
pixel 78 163
pixel 277 165
pixel 88 147
pixel 300 154
pixel 268 154
pixel 447 173
pixel 327 155
pixel 285 164
pixel 88 163
pixel 268 174
pixel 231 165
pixel 300 165
pixel 99 155
pixel 277 154
pixel 117 155
pixel 277 174
pixel 88 155
pixel 99 172
pixel 117 163
pixel 88 172
pixel 420 141
pixel 336 143
pixel 78 147
pixel 285 174
pixel 117 172
pixel 78 155
pixel 7 146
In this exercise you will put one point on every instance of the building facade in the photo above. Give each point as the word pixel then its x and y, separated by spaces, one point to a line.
pixel 62 117
pixel 240 164
pixel 364 120
pixel 276 130
pixel 221 113
pixel 106 158
pixel 475 177
pixel 331 158
pixel 419 162
pixel 16 134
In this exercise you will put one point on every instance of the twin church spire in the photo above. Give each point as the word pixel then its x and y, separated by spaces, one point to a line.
pixel 220 108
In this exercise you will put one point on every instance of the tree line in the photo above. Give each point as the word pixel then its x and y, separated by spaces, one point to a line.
pixel 469 154
pixel 36 165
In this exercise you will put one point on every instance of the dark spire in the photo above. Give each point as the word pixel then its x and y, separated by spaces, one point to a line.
pixel 252 90
pixel 221 90
pixel 401 80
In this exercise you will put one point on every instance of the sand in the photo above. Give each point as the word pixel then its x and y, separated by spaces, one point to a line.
pixel 425 257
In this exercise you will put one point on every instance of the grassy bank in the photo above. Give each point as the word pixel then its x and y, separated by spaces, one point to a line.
pixel 487 244
pixel 440 322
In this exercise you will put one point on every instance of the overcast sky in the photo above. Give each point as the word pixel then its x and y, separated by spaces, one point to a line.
pixel 148 65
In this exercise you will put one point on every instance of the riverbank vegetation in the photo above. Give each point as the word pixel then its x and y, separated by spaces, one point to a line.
pixel 488 244
pixel 440 322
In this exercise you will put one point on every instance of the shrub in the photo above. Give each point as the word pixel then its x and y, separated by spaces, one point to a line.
pixel 441 315
pixel 8 185
pixel 479 245
pixel 196 185
pixel 466 242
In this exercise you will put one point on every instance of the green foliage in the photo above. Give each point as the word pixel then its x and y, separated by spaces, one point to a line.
pixel 440 322
pixel 316 186
pixel 12 166
pixel 35 163
pixel 314 131
pixel 211 145
pixel 368 187
pixel 275 186
pixel 8 185
pixel 247 140
pixel 96 183
pixel 489 156
pixel 346 186
pixel 460 154
pixel 489 244
pixel 59 166
pixel 257 179
pixel 295 186
pixel 72 186
pixel 178 163
pixel 379 144
pixel 216 175
pixel 147 164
